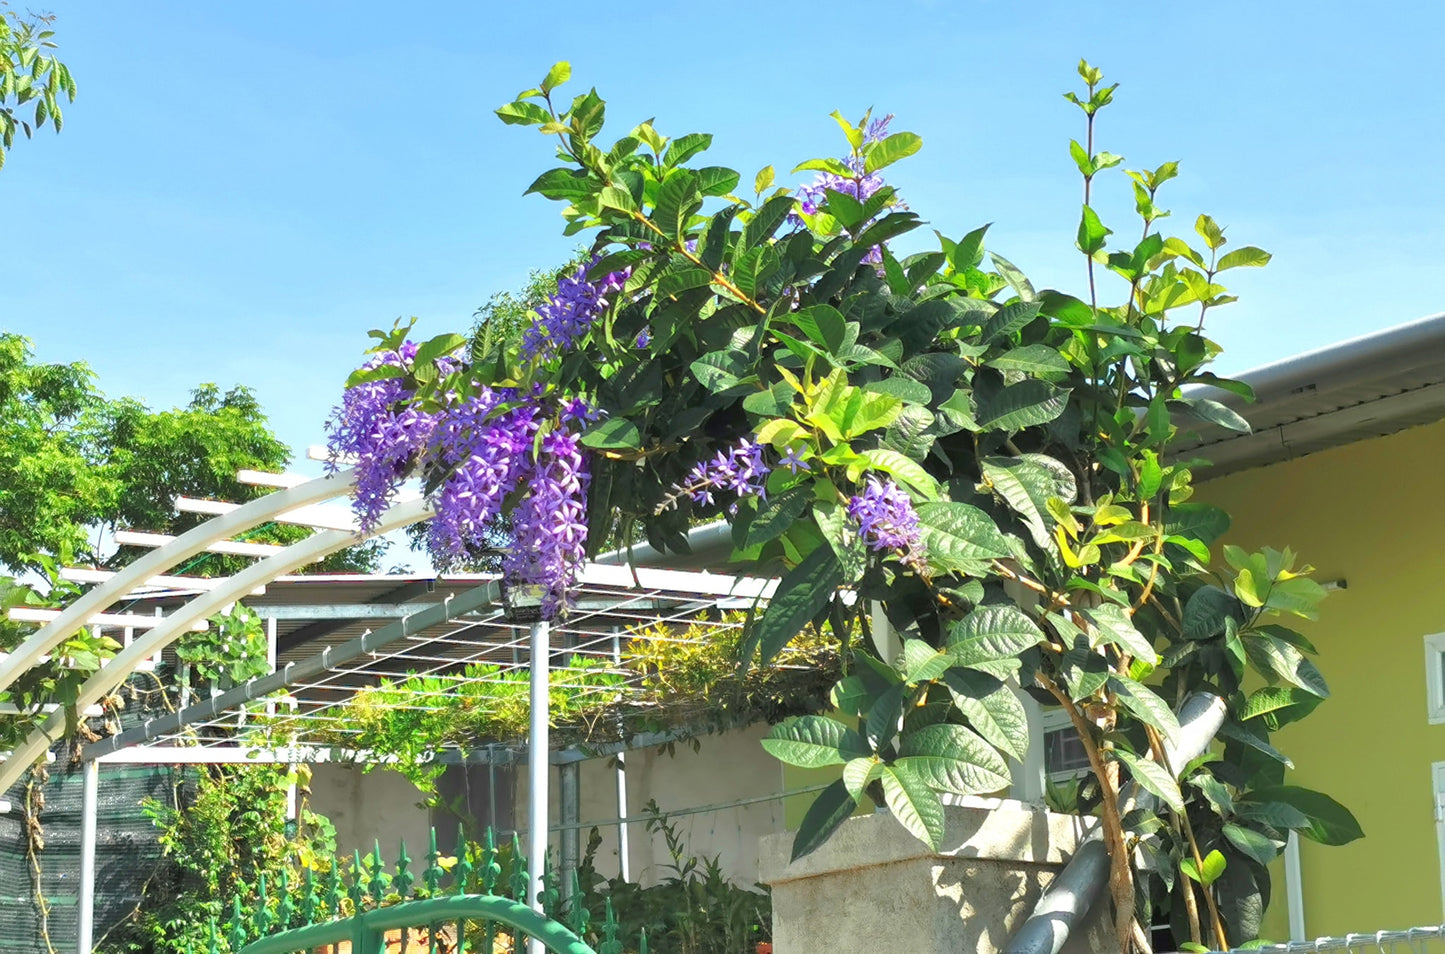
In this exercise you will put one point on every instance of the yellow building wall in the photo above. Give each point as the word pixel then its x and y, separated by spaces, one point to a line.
pixel 1372 514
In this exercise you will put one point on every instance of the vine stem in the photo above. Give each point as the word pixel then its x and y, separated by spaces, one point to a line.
pixel 1121 877
pixel 718 277
pixel 1217 925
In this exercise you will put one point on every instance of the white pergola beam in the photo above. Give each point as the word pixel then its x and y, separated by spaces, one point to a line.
pixel 35 614
pixel 137 538
pixel 316 516
pixel 263 478
pixel 78 574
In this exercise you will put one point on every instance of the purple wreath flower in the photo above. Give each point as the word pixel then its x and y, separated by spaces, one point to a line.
pixel 886 519
pixel 567 315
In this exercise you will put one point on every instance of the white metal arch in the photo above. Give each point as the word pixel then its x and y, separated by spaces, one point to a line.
pixel 201 606
pixel 183 547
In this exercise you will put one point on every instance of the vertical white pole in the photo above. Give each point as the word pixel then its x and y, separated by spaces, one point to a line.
pixel 90 777
pixel 538 748
pixel 624 870
pixel 1294 890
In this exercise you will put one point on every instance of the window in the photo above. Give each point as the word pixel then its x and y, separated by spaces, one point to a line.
pixel 1064 755
pixel 1435 677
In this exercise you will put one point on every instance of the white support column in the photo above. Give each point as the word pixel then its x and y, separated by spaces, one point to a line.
pixel 1293 889
pixel 85 928
pixel 624 869
pixel 538 749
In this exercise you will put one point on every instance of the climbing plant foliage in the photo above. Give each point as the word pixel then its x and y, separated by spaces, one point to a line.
pixel 905 423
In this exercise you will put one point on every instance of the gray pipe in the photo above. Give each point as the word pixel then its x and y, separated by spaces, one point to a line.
pixel 1072 894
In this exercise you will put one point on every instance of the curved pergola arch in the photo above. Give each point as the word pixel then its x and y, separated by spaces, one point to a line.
pixel 158 561
pixel 199 607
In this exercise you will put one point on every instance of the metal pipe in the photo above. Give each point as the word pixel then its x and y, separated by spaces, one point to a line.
pixel 1070 896
pixel 569 799
pixel 537 767
pixel 89 806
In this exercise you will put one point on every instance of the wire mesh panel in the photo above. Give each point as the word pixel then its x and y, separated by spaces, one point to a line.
pixel 1419 940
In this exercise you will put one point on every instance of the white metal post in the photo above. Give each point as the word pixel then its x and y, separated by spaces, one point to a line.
pixel 85 927
pixel 624 866
pixel 537 765
pixel 1294 891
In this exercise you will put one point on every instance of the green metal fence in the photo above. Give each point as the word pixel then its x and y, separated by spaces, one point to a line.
pixel 472 903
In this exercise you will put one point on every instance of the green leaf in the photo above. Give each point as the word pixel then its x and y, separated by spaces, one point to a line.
pixel 1210 231
pixel 923 663
pixel 615 432
pixel 903 388
pixel 1153 777
pixel 903 469
pixel 763 179
pixel 823 324
pixel 814 741
pixel 897 146
pixel 716 180
pixel 1014 276
pixel 1211 412
pixel 1146 705
pixel 1092 232
pixel 523 114
pixel 1249 256
pixel 829 810
pixel 556 76
pixel 1272 698
pixel 677 200
pixel 1214 865
pixel 765 221
pixel 951 758
pixel 992 708
pixel 914 804
pixel 829 165
pixel 1038 360
pixel 959 537
pixel 683 148
pixel 1115 626
pixel 992 632
pixel 1026 486
pixel 801 595
pixel 1251 843
pixel 776 514
pixel 860 773
pixel 1274 656
pixel 1009 320
pixel 567 184
pixel 1206 611
pixel 1025 404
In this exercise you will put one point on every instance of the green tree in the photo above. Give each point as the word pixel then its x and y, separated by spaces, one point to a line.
pixel 75 464
pixel 990 463
pixel 29 75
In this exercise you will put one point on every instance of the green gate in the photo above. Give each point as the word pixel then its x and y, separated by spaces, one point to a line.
pixel 464 905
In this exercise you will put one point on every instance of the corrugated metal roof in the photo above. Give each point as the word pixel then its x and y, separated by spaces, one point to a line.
pixel 1365 387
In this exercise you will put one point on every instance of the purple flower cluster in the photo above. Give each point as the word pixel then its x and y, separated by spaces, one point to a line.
pixel 485 444
pixel 567 315
pixel 859 185
pixel 886 519
pixel 495 459
pixel 386 437
pixel 740 469
pixel 550 523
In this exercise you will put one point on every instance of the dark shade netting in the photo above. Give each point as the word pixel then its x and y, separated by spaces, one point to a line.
pixel 126 853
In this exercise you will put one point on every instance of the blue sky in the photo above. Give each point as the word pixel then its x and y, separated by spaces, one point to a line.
pixel 242 190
